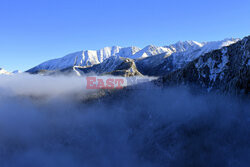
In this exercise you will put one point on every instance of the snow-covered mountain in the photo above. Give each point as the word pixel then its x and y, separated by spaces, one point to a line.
pixel 85 58
pixel 151 50
pixel 158 61
pixel 4 72
pixel 148 57
pixel 16 72
pixel 114 65
pixel 185 52
pixel 226 69
pixel 91 57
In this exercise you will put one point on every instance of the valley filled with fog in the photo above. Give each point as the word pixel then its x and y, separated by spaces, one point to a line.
pixel 49 121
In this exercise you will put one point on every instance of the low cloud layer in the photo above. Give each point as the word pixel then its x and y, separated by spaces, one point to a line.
pixel 170 127
pixel 36 85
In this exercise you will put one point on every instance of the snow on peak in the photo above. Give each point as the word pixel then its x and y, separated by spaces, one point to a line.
pixel 91 57
pixel 209 46
pixel 151 50
pixel 17 72
pixel 181 58
pixel 4 72
pixel 182 46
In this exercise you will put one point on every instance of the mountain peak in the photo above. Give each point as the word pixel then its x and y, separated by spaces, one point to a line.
pixel 17 72
pixel 150 46
pixel 182 46
pixel 92 57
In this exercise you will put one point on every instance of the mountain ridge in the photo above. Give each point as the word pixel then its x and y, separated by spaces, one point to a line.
pixel 226 70
pixel 92 57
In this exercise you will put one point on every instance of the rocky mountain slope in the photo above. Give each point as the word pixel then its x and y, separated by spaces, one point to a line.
pixel 226 69
pixel 115 65
pixel 163 64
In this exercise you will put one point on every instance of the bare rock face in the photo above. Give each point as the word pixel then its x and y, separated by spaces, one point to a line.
pixel 126 69
pixel 226 69
pixel 117 66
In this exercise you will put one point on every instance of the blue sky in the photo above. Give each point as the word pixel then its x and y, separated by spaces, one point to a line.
pixel 32 31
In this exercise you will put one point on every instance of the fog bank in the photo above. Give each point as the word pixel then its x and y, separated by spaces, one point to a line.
pixel 170 127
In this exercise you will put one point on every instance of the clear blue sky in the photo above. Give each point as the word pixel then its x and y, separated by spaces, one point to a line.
pixel 32 31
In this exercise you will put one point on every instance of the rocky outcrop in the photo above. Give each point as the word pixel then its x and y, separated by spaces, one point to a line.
pixel 126 69
pixel 117 66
